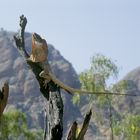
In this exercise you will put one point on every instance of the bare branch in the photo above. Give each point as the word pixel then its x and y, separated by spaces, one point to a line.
pixel 72 132
pixel 85 126
pixel 4 93
pixel 19 38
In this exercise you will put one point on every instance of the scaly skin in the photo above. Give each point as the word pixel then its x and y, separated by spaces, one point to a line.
pixel 39 49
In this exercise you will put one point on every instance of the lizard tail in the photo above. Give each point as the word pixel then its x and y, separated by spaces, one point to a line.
pixel 70 89
pixel 66 87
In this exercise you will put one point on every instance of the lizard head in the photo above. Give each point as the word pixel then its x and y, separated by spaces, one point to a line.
pixel 37 38
pixel 39 49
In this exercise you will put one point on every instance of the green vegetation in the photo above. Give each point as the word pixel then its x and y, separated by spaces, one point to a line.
pixel 104 106
pixel 95 78
pixel 129 127
pixel 13 126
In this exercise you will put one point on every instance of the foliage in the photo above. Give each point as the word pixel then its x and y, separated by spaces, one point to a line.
pixel 13 126
pixel 95 78
pixel 121 86
pixel 103 66
pixel 76 99
pixel 129 127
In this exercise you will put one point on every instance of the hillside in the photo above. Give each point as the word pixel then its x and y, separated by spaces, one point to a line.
pixel 133 79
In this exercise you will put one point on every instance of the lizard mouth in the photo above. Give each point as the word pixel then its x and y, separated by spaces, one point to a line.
pixel 37 37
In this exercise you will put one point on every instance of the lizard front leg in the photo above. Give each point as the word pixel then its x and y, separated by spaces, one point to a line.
pixel 46 75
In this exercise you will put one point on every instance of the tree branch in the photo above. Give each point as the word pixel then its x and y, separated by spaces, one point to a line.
pixel 19 38
pixel 54 105
pixel 85 126
pixel 72 132
pixel 4 93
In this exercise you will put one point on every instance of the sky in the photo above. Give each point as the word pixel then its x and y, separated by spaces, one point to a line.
pixel 81 28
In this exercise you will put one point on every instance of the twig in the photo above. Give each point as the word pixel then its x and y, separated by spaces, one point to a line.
pixel 108 93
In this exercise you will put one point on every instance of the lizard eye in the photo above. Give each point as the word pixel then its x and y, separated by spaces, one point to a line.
pixel 38 44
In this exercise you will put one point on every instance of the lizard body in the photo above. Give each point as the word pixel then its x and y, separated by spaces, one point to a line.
pixel 40 54
pixel 49 76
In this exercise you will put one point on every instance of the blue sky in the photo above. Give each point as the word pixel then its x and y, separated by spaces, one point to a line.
pixel 81 28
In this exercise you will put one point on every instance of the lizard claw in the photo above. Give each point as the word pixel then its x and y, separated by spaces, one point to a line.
pixel 45 84
pixel 42 74
pixel 45 76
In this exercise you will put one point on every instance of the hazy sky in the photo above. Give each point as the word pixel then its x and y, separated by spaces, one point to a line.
pixel 81 28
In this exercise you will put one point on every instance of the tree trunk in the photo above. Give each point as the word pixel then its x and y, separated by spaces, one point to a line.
pixel 54 104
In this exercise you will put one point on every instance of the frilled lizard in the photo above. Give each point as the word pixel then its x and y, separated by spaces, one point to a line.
pixel 40 54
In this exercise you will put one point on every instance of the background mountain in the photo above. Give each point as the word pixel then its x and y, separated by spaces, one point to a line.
pixel 132 104
pixel 26 97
